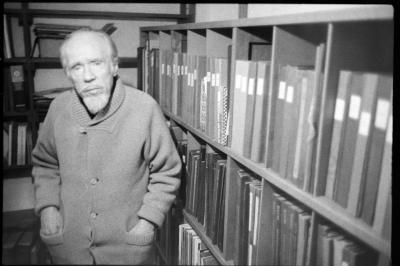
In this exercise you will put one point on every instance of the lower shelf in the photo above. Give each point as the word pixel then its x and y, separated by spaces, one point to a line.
pixel 200 232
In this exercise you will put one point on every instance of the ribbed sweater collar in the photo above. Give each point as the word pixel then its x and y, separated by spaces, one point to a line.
pixel 81 115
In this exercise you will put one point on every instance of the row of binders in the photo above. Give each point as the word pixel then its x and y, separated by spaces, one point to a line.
pixel 17 143
pixel 279 125
pixel 205 191
pixel 192 87
pixel 192 250
pixel 360 160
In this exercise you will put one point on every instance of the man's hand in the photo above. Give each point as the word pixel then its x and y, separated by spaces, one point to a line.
pixel 142 227
pixel 51 220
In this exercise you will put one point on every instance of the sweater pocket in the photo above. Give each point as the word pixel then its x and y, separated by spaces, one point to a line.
pixel 140 239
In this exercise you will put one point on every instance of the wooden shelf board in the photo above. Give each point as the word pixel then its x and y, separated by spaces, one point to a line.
pixel 45 13
pixel 356 14
pixel 54 62
pixel 320 205
pixel 200 232
pixel 16 114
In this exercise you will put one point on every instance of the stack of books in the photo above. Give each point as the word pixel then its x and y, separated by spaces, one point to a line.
pixel 192 250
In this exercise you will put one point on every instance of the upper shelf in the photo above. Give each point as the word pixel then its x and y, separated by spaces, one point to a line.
pixel 49 62
pixel 44 13
pixel 356 14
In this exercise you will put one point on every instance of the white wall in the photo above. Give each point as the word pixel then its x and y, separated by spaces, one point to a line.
pixel 262 10
pixel 216 12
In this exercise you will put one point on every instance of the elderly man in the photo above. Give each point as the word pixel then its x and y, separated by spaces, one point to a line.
pixel 105 168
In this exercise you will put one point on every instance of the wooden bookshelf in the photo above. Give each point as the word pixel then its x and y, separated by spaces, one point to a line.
pixel 355 39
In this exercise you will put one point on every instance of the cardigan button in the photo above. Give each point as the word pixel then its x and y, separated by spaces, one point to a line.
pixel 93 215
pixel 82 130
pixel 94 181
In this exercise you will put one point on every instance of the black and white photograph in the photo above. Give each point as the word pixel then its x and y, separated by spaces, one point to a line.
pixel 197 133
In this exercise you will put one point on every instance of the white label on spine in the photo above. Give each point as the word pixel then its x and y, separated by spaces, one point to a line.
pixel 251 86
pixel 212 79
pixel 238 80
pixel 251 204
pixel 389 134
pixel 282 88
pixel 289 94
pixel 256 220
pixel 217 79
pixel 355 104
pixel 339 110
pixel 260 86
pixel 382 112
pixel 162 68
pixel 243 86
pixel 195 74
pixel 365 121
pixel 186 70
pixel 168 70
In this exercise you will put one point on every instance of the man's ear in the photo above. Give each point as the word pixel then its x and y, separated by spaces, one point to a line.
pixel 115 67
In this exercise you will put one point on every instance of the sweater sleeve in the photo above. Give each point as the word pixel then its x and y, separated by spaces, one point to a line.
pixel 165 168
pixel 45 169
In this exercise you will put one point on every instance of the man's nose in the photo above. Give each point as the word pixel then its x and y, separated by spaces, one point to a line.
pixel 88 74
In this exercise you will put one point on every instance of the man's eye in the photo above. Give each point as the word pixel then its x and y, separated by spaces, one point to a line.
pixel 76 67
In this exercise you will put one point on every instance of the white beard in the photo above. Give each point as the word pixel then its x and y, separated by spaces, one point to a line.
pixel 95 103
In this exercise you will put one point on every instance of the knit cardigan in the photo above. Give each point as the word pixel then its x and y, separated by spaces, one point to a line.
pixel 103 174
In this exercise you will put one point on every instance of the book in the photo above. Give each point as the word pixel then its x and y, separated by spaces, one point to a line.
pixel 265 236
pixel 277 246
pixel 249 113
pixel 6 148
pixel 313 120
pixel 260 112
pixel 18 90
pixel 242 178
pixel 303 238
pixel 379 121
pixel 339 243
pixel 299 163
pixel 354 255
pixel 345 158
pixel 322 230
pixel 279 115
pixel 361 144
pixel 220 206
pixel 382 218
pixel 287 109
pixel 254 204
pixel 339 120
pixel 239 105
pixel 7 51
pixel 294 103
